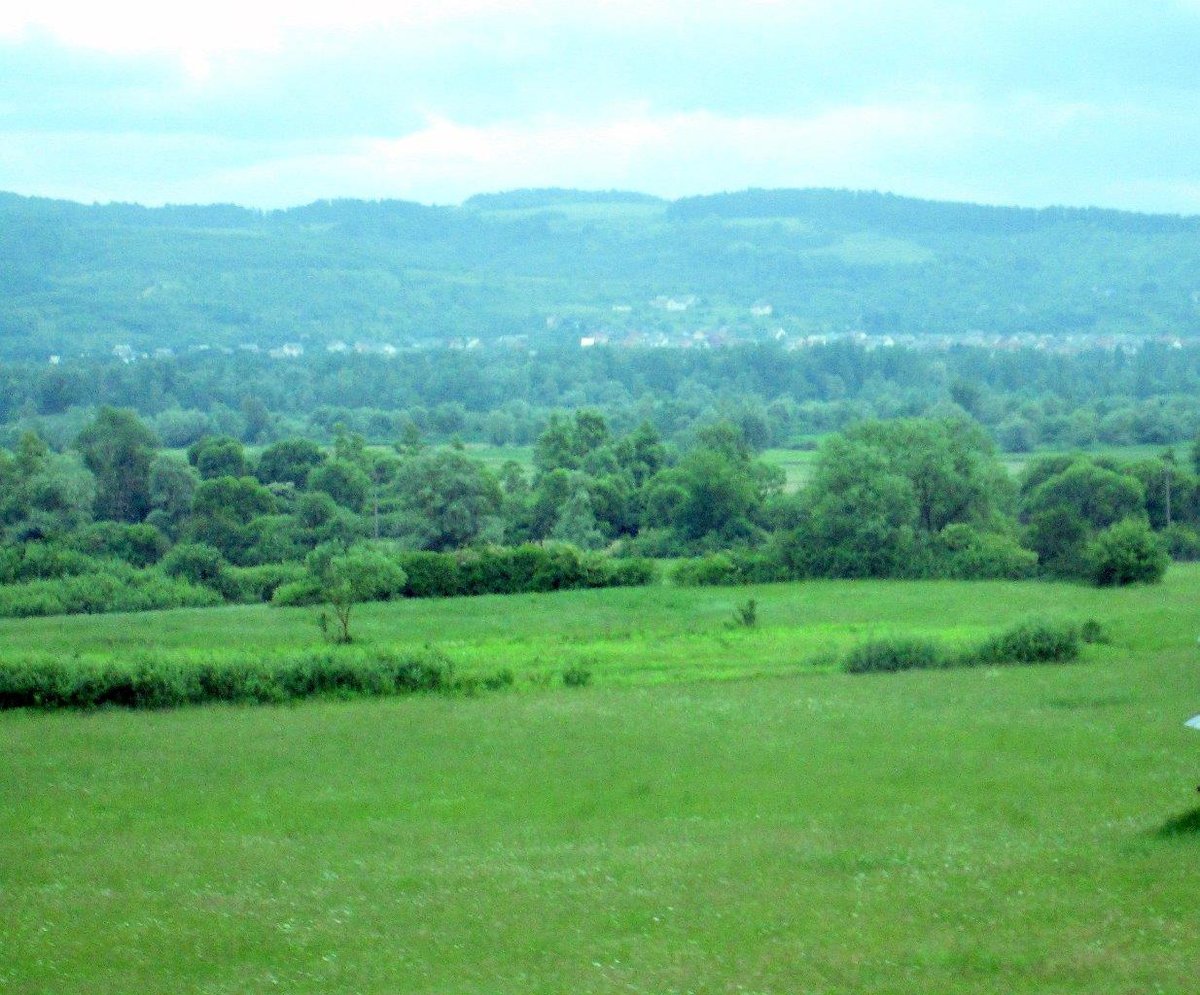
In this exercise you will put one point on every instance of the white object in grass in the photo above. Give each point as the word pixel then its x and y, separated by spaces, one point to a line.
pixel 1193 722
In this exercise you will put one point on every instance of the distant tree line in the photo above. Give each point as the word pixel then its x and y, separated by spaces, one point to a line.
pixel 1026 399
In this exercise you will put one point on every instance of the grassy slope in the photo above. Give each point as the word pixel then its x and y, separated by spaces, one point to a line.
pixel 971 831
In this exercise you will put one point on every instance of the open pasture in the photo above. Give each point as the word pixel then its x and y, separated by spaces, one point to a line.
pixel 1013 829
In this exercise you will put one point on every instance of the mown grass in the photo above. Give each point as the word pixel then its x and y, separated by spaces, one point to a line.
pixel 991 829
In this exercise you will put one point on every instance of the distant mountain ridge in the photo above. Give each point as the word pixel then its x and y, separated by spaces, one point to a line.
pixel 561 265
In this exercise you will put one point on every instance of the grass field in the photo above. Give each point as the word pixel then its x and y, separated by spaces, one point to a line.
pixel 1017 829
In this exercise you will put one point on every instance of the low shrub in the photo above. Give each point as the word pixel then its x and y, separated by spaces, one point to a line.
pixel 887 655
pixel 959 552
pixel 138 545
pixel 21 562
pixel 121 589
pixel 1094 632
pixel 298 593
pixel 1029 642
pixel 149 682
pixel 1182 541
pixel 430 575
pixel 576 676
pixel 250 585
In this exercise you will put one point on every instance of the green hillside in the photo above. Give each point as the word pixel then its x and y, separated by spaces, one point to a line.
pixel 556 265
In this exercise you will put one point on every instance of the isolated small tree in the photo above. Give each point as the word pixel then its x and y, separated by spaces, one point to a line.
pixel 358 575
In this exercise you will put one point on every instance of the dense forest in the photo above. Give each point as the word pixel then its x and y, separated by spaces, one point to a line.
pixel 539 268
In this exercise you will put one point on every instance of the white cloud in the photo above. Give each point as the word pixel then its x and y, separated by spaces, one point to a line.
pixel 673 155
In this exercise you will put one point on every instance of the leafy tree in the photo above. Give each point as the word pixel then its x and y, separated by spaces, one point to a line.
pixel 221 511
pixel 446 499
pixel 117 448
pixel 172 487
pixel 860 520
pixel 289 461
pixel 344 481
pixel 577 523
pixel 218 456
pixel 358 575
pixel 1097 494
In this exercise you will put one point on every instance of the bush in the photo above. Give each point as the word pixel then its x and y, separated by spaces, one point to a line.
pixel 298 593
pixel 1029 642
pixel 1126 553
pixel 42 561
pixel 1183 542
pixel 960 552
pixel 576 676
pixel 430 575
pixel 250 585
pixel 195 562
pixel 893 654
pixel 138 545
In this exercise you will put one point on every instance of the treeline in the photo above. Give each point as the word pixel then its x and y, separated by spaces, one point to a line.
pixel 115 523
pixel 1026 399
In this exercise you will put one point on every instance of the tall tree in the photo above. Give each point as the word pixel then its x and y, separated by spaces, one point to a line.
pixel 117 447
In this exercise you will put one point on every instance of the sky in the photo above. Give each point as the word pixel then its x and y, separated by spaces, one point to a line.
pixel 270 104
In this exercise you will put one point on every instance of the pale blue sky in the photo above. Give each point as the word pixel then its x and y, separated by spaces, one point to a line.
pixel 274 103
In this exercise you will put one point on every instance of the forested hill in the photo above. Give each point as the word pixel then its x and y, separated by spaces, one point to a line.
pixel 558 265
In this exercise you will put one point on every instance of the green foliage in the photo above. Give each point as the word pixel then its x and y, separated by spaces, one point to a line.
pixel 963 553
pixel 218 456
pixel 1025 643
pixel 886 655
pixel 21 562
pixel 118 588
pixel 289 461
pixel 345 482
pixel 1029 642
pixel 1182 542
pixel 117 448
pixel 195 562
pixel 148 682
pixel 1127 553
pixel 576 676
pixel 139 545
pixel 746 615
pixel 346 579
pixel 250 585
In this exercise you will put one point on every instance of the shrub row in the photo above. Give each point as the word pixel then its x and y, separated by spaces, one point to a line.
pixel 958 552
pixel 1028 642
pixel 494 570
pixel 119 589
pixel 149 682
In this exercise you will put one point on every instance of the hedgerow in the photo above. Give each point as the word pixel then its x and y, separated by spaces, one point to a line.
pixel 146 681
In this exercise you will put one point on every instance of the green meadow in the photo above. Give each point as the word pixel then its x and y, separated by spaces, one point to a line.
pixel 720 810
